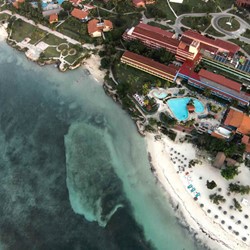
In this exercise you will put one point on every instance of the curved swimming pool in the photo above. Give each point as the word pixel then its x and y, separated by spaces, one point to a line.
pixel 178 106
pixel 160 94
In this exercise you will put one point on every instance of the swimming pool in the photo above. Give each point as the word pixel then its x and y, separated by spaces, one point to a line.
pixel 159 94
pixel 178 106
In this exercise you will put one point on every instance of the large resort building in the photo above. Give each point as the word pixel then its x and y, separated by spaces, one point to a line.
pixel 155 37
pixel 188 50
pixel 148 65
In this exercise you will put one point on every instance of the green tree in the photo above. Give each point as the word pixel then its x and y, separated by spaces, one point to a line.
pixel 207 92
pixel 216 198
pixel 105 62
pixel 229 172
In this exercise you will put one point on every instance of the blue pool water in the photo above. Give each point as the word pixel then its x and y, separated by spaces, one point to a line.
pixel 178 106
pixel 160 95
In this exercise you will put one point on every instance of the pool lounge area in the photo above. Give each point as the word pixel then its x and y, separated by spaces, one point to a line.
pixel 178 107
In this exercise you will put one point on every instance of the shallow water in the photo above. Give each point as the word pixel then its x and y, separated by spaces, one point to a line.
pixel 68 151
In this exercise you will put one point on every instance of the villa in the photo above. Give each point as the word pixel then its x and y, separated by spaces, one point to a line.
pixel 79 14
pixel 53 18
pixel 75 2
pixel 243 3
pixel 16 3
pixel 142 3
pixel 96 27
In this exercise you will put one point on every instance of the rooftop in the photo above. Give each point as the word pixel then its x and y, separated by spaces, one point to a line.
pixel 236 118
pixel 77 13
pixel 218 43
pixel 150 64
pixel 220 79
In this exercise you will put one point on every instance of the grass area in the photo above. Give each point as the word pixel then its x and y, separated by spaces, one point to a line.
pixel 22 30
pixel 243 45
pixel 242 13
pixel 247 33
pixel 198 6
pixel 51 52
pixel 164 27
pixel 53 40
pixel 198 23
pixel 213 32
pixel 76 30
pixel 4 16
pixel 160 10
pixel 224 24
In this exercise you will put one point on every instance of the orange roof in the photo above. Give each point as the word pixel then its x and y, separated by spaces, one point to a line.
pixel 220 80
pixel 108 23
pixel 53 18
pixel 238 119
pixel 94 27
pixel 246 140
pixel 79 13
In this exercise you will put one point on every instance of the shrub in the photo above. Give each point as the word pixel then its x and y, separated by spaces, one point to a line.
pixel 211 184
pixel 229 172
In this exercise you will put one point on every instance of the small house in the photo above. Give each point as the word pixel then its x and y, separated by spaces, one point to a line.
pixel 96 27
pixel 53 18
pixel 80 14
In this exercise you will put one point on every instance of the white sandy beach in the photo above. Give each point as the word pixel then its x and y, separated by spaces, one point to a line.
pixel 92 64
pixel 200 223
pixel 3 33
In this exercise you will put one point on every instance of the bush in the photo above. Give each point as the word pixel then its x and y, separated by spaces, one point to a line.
pixel 233 187
pixel 211 184
pixel 216 198
pixel 237 205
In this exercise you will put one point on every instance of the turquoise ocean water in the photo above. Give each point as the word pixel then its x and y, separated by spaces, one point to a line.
pixel 74 172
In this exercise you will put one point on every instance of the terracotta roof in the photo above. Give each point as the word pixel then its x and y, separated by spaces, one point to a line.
pixel 75 1
pixel 139 2
pixel 239 120
pixel 154 29
pixel 246 140
pixel 218 43
pixel 79 13
pixel 108 23
pixel 94 27
pixel 220 80
pixel 149 64
pixel 53 18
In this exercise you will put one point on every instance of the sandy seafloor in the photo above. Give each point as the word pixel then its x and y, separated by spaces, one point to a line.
pixel 60 133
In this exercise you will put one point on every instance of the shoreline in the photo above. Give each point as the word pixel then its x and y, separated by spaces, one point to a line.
pixel 181 201
pixel 189 215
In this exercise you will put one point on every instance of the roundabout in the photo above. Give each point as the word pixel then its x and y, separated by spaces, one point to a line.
pixel 229 23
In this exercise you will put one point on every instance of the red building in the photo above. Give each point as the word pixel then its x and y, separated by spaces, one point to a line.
pixel 155 37
pixel 209 44
pixel 243 3
pixel 219 85
pixel 148 65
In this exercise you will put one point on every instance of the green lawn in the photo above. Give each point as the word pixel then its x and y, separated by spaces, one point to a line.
pixel 51 52
pixel 243 45
pixel 22 30
pixel 223 23
pixel 53 40
pixel 164 27
pixel 198 23
pixel 213 32
pixel 160 10
pixel 247 33
pixel 4 16
pixel 198 6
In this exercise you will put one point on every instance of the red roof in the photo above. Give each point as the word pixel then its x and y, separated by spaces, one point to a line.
pixel 220 80
pixel 218 43
pixel 160 31
pixel 79 13
pixel 149 64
